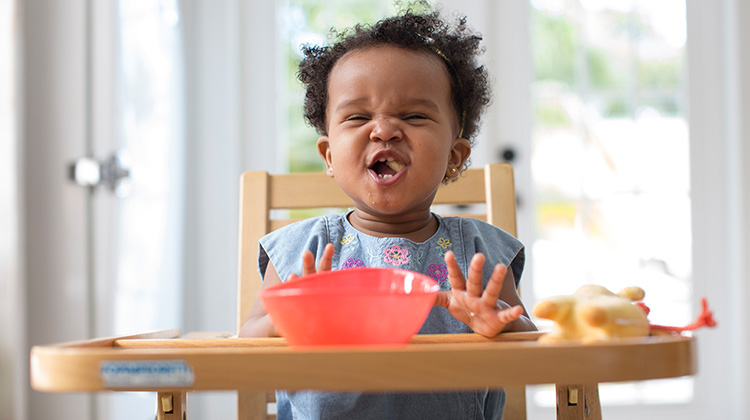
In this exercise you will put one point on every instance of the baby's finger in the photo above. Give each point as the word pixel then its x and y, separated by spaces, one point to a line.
pixel 308 263
pixel 474 282
pixel 492 291
pixel 443 299
pixel 455 276
pixel 509 315
pixel 326 258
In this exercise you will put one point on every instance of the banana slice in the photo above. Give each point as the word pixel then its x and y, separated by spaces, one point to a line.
pixel 395 165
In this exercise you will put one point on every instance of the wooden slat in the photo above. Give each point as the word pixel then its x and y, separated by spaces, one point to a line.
pixel 503 213
pixel 279 223
pixel 482 217
pixel 317 190
pixel 309 190
pixel 254 223
pixel 457 192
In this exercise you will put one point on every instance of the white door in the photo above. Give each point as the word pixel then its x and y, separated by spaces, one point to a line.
pixel 103 248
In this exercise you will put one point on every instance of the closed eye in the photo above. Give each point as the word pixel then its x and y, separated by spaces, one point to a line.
pixel 356 118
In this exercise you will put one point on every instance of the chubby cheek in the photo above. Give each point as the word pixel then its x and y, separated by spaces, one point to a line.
pixel 352 146
pixel 437 158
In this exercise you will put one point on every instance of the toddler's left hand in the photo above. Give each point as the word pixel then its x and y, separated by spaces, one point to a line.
pixel 482 311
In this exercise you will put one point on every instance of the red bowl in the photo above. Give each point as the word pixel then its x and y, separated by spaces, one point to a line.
pixel 353 306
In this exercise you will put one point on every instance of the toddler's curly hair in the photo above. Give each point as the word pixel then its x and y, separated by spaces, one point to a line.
pixel 457 45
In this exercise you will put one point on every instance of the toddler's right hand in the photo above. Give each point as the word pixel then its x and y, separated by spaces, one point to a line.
pixel 308 261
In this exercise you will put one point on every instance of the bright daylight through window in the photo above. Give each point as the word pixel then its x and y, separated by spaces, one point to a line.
pixel 610 160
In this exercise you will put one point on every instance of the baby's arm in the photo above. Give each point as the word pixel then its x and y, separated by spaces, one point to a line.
pixel 488 312
pixel 258 323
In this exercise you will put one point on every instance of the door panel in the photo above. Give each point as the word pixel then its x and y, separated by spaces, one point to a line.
pixel 55 210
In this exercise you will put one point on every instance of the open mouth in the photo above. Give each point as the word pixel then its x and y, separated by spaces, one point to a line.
pixel 386 167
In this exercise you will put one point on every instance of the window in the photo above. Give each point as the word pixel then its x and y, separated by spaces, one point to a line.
pixel 610 161
pixel 149 85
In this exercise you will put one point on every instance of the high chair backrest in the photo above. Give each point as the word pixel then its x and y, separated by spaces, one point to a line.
pixel 261 193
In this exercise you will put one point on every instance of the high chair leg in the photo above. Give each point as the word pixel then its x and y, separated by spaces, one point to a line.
pixel 252 405
pixel 515 406
pixel 170 405
pixel 578 402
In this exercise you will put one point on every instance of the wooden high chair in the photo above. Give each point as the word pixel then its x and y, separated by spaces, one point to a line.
pixel 172 365
pixel 261 194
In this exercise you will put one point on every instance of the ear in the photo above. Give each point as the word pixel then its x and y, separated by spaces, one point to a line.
pixel 324 150
pixel 459 153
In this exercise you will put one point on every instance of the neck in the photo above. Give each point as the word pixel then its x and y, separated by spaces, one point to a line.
pixel 416 227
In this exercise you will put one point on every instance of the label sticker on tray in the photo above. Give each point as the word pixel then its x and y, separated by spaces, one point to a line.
pixel 146 373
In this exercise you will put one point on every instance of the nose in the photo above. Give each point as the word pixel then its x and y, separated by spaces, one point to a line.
pixel 385 129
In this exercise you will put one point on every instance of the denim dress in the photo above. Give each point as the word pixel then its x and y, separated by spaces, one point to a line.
pixel 463 236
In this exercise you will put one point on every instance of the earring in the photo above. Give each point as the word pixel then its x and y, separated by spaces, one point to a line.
pixel 453 171
pixel 330 169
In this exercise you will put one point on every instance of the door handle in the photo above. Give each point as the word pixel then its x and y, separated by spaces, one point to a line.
pixel 113 173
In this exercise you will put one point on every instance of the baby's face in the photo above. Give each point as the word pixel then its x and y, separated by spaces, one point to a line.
pixel 392 129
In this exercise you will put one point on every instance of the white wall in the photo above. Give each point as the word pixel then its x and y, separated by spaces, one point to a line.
pixel 741 285
pixel 230 65
pixel 230 90
pixel 719 98
pixel 743 281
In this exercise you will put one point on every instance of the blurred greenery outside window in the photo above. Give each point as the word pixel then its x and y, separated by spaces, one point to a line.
pixel 610 160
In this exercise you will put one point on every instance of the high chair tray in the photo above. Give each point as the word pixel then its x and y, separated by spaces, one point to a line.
pixel 161 360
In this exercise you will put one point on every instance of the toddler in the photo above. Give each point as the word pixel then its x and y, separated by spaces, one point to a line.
pixel 397 105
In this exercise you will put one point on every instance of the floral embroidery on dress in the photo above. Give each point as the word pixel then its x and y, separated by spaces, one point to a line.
pixel 353 263
pixel 396 255
pixel 348 239
pixel 442 245
pixel 439 272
